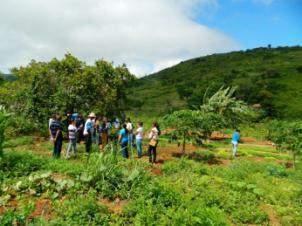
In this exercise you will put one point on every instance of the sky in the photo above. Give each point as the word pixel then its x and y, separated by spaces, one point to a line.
pixel 146 35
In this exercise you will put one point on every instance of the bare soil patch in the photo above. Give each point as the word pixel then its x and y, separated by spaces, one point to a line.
pixel 43 209
pixel 115 206
pixel 273 218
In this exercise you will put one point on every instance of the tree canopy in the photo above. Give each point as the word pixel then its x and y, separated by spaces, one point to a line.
pixel 43 88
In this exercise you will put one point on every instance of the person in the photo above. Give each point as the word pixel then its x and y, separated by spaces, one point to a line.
pixel 139 135
pixel 104 133
pixel 123 140
pixel 153 141
pixel 116 124
pixel 51 119
pixel 80 122
pixel 72 133
pixel 56 128
pixel 88 131
pixel 235 141
pixel 130 131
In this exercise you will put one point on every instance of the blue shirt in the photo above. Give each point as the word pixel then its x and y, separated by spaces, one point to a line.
pixel 236 137
pixel 124 136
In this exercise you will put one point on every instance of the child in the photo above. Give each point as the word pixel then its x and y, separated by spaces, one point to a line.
pixel 72 130
pixel 139 139
pixel 235 141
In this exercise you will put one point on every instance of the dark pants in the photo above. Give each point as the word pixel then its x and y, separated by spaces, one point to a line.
pixel 88 142
pixel 152 153
pixel 125 150
pixel 57 147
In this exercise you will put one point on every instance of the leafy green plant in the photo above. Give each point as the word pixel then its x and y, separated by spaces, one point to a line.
pixel 287 136
pixel 3 125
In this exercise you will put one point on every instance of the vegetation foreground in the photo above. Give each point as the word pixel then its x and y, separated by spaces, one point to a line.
pixel 202 187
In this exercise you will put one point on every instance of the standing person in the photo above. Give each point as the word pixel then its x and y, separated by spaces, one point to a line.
pixel 130 131
pixel 139 139
pixel 153 137
pixel 235 141
pixel 104 133
pixel 51 119
pixel 72 133
pixel 123 140
pixel 57 136
pixel 80 122
pixel 88 131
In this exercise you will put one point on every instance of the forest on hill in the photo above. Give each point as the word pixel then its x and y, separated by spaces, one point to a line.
pixel 270 78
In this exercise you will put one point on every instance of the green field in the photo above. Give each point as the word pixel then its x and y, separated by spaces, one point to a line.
pixel 203 187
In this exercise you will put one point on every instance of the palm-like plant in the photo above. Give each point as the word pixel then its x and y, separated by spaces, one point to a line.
pixel 224 103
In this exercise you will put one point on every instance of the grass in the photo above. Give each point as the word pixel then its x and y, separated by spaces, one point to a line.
pixel 255 188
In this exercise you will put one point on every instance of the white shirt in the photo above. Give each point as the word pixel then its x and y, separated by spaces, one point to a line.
pixel 140 133
pixel 89 125
pixel 153 135
pixel 72 132
pixel 129 127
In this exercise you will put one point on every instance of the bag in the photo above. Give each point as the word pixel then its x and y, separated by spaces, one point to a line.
pixel 153 143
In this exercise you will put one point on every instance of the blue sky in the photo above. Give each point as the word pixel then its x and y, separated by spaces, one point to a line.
pixel 254 23
pixel 147 35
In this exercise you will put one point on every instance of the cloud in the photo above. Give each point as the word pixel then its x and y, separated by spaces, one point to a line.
pixel 146 35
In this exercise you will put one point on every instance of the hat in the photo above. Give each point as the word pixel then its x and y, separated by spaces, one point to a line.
pixel 91 115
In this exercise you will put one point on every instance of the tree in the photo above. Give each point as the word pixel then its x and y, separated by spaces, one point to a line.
pixel 68 85
pixel 193 123
pixel 224 103
pixel 219 111
pixel 287 136
pixel 3 125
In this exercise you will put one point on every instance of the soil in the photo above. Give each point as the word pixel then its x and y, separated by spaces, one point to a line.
pixel 42 209
pixel 156 171
pixel 115 206
pixel 273 218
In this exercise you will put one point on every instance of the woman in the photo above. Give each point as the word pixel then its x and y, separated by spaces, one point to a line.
pixel 139 135
pixel 123 140
pixel 104 133
pixel 153 137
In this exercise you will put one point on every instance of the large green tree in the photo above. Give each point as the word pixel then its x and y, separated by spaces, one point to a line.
pixel 43 88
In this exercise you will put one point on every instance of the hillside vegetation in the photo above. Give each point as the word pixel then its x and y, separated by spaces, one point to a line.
pixel 271 77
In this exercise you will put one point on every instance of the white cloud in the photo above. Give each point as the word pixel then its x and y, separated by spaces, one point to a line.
pixel 146 35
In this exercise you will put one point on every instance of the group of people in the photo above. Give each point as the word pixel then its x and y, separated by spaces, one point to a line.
pixel 100 131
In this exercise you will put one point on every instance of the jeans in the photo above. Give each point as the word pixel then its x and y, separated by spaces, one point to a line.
pixel 125 150
pixel 139 144
pixel 235 147
pixel 152 153
pixel 57 147
pixel 88 142
pixel 71 145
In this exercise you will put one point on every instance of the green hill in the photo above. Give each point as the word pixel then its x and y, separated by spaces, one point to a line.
pixel 271 77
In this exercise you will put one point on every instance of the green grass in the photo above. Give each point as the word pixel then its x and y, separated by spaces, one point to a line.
pixel 187 191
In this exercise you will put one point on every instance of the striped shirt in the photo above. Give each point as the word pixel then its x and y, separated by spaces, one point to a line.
pixel 72 130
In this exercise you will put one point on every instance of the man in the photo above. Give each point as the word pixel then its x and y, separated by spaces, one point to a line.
pixel 129 127
pixel 88 131
pixel 235 141
pixel 56 129
pixel 80 122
